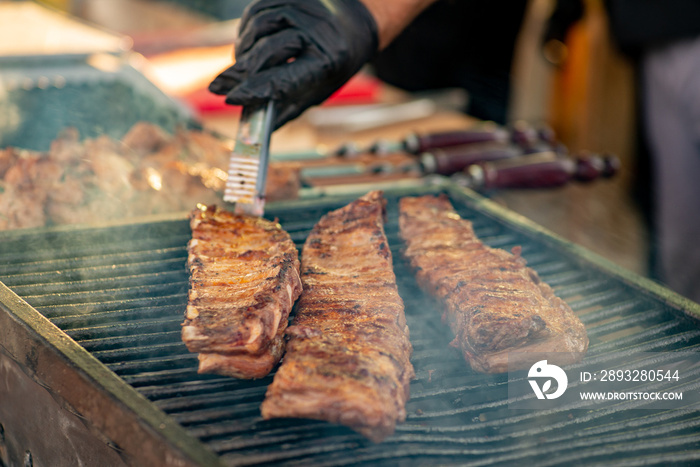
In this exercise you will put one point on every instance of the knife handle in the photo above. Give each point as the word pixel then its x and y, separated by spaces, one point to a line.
pixel 591 166
pixel 544 170
pixel 448 161
pixel 418 143
pixel 520 134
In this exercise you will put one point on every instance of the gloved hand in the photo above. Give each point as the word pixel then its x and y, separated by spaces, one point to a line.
pixel 297 53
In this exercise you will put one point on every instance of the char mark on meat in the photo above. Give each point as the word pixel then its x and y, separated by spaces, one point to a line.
pixel 493 302
pixel 348 353
pixel 244 279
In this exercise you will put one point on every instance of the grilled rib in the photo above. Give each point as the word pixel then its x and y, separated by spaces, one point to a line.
pixel 348 353
pixel 244 279
pixel 494 303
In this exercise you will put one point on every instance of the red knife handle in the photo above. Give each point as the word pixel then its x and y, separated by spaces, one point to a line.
pixel 590 166
pixel 524 135
pixel 417 143
pixel 544 170
pixel 448 161
pixel 521 134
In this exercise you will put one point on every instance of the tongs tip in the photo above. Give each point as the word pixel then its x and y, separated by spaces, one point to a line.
pixel 247 174
pixel 255 208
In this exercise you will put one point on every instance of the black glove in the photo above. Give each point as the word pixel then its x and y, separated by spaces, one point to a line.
pixel 297 53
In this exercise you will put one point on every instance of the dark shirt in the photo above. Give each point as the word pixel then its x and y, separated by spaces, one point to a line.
pixel 637 25
pixel 462 44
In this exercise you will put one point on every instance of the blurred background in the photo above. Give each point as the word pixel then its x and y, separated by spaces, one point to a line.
pixel 101 66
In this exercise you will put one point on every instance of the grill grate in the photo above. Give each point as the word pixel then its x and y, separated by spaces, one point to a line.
pixel 121 291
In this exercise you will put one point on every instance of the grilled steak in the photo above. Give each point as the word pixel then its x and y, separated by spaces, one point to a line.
pixel 244 279
pixel 493 302
pixel 348 353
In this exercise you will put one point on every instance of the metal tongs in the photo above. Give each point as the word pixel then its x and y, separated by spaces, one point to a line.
pixel 247 172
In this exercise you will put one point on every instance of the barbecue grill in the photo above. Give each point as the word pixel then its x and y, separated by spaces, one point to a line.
pixel 94 370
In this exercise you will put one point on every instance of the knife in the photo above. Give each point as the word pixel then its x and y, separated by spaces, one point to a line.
pixel 519 134
pixel 542 170
pixel 529 138
pixel 445 161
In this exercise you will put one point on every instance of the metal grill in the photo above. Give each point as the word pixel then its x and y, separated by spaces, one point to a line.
pixel 120 292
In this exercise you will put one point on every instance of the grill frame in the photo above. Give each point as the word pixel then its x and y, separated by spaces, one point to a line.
pixel 82 385
pixel 145 422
